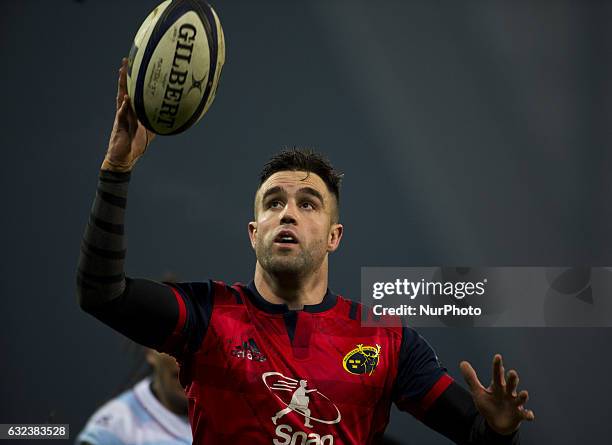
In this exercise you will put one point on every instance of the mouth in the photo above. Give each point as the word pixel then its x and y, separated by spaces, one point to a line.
pixel 286 237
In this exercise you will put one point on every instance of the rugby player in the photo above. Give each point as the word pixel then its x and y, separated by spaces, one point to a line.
pixel 282 359
pixel 153 412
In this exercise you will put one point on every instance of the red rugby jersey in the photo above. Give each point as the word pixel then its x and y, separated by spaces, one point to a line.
pixel 259 373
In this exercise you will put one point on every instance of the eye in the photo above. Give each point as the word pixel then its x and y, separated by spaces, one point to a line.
pixel 307 205
pixel 275 204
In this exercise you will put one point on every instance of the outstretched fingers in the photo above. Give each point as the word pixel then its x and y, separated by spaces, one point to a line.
pixel 527 414
pixel 470 376
pixel 499 381
pixel 521 399
pixel 123 120
pixel 130 115
pixel 512 383
pixel 122 83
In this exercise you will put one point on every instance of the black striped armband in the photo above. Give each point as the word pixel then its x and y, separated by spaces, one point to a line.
pixel 100 275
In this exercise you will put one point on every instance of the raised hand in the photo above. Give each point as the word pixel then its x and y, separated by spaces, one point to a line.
pixel 500 404
pixel 129 138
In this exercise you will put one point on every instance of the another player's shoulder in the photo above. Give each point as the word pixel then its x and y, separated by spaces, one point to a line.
pixel 112 423
pixel 135 417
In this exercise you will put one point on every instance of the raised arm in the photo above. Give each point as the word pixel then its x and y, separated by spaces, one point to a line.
pixel 148 312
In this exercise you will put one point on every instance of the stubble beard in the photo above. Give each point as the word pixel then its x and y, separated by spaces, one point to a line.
pixel 285 265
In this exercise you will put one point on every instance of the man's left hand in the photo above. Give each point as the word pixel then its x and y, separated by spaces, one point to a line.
pixel 500 404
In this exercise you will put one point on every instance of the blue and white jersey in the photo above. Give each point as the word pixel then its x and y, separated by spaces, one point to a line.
pixel 136 417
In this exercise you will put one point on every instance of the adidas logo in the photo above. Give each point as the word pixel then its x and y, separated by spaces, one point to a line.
pixel 249 350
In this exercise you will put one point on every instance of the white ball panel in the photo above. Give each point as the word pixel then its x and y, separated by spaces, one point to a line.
pixel 140 40
pixel 177 74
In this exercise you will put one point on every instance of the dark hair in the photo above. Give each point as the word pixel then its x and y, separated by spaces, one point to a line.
pixel 302 159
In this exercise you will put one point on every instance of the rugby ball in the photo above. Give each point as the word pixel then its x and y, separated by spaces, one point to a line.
pixel 174 65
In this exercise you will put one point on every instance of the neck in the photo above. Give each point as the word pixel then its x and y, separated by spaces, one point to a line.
pixel 165 401
pixel 294 291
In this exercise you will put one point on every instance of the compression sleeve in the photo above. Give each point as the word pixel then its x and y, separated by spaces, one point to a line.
pixel 100 275
pixel 146 311
pixel 424 389
pixel 455 416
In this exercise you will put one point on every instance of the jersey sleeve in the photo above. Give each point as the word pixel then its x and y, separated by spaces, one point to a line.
pixel 420 377
pixel 424 389
pixel 455 416
pixel 195 304
pixel 108 426
pixel 168 317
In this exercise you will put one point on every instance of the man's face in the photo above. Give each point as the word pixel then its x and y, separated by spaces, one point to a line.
pixel 294 229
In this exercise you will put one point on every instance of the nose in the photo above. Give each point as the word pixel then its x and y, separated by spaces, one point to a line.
pixel 288 214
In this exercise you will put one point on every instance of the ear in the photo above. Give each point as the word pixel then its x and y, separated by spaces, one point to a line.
pixel 253 233
pixel 335 235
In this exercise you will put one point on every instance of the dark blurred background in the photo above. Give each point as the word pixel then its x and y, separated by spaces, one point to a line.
pixel 471 133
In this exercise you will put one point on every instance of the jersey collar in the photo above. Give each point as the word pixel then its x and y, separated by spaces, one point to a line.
pixel 328 302
pixel 174 425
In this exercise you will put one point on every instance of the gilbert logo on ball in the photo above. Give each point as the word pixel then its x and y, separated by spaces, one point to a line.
pixel 175 64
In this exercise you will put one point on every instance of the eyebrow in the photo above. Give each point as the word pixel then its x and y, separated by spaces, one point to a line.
pixel 312 192
pixel 307 190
